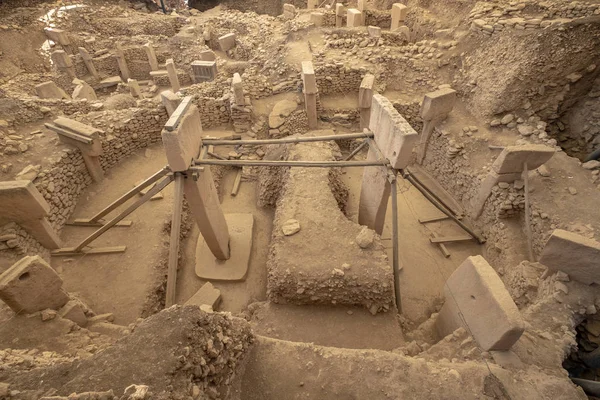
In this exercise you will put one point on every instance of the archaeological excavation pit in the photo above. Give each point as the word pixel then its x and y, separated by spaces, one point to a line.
pixel 265 200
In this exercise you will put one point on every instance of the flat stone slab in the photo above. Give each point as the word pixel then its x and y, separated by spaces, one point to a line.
pixel 235 268
pixel 513 158
pixel 477 300
pixel 108 82
pixel 573 254
pixel 206 295
pixel 281 110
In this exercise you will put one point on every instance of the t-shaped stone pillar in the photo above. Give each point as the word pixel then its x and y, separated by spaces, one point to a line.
pixel 238 90
pixel 365 98
pixel 172 71
pixel 339 15
pixel 354 18
pixel 88 61
pixel 151 56
pixel 86 138
pixel 182 141
pixel 120 56
pixel 435 107
pixel 22 203
pixel 63 62
pixel 395 138
pixel 310 91
pixel 399 11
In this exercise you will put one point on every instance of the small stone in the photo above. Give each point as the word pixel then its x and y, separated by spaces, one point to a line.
pixel 519 184
pixel 495 122
pixel 338 272
pixel 561 287
pixel 591 310
pixel 573 77
pixel 543 171
pixel 48 314
pixel 593 164
pixel 507 119
pixel 290 227
pixel 365 238
pixel 413 349
pixel 561 276
pixel 572 190
pixel 503 185
pixel 525 130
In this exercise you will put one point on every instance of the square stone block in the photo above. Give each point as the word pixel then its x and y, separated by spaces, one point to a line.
pixel 477 300
pixel 573 254
pixel 31 285
pixel 438 104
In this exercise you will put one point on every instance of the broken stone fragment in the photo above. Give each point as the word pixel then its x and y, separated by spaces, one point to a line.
pixel 365 238
pixel 290 227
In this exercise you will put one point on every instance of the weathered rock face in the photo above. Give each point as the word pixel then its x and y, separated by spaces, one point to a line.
pixel 170 352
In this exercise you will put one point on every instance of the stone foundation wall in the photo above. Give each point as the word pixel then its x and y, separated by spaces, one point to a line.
pixel 411 111
pixel 446 162
pixel 338 78
pixel 62 181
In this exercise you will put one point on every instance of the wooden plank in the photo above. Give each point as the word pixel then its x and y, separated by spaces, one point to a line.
pixel 70 251
pixel 179 112
pixel 442 246
pixel 174 241
pixel 433 219
pixel 436 189
pixel 446 239
pixel 236 183
pixel 157 188
pixel 89 222
pixel 218 157
pixel 157 175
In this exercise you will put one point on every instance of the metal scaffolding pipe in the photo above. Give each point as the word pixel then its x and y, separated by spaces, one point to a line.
pixel 222 142
pixel 306 164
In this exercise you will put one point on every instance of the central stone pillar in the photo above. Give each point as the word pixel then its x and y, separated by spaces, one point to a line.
pixel 310 91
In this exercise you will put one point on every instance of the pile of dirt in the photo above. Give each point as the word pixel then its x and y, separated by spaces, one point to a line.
pixel 176 352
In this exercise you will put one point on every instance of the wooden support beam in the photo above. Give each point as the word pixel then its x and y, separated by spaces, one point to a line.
pixel 433 219
pixel 87 222
pixel 447 239
pixel 236 183
pixel 442 246
pixel 174 240
pixel 395 251
pixel 157 188
pixel 356 151
pixel 70 251
pixel 221 142
pixel 157 175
